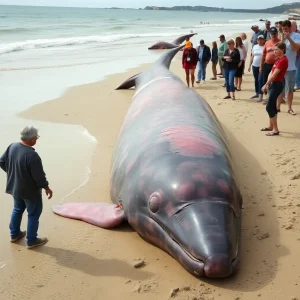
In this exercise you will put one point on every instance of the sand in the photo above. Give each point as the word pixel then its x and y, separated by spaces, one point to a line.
pixel 82 261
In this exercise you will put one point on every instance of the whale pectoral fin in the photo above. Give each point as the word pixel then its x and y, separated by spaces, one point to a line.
pixel 105 215
pixel 129 83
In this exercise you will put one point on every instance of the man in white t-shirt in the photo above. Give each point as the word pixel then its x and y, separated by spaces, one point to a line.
pixel 292 42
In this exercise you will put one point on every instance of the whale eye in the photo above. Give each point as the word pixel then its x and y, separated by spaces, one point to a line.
pixel 154 202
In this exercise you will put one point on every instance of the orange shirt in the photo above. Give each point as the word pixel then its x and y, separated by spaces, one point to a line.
pixel 269 51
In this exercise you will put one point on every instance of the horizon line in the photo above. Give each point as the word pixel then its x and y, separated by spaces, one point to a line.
pixel 112 7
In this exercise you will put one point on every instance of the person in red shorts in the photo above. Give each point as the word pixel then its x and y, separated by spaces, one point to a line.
pixel 275 84
pixel 189 62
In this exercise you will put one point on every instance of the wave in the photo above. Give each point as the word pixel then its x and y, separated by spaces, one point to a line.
pixel 75 41
pixel 16 30
pixel 247 20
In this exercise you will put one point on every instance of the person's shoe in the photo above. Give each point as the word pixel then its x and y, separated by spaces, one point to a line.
pixel 198 81
pixel 254 96
pixel 22 233
pixel 38 242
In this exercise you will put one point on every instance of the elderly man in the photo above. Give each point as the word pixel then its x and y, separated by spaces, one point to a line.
pixel 204 56
pixel 222 47
pixel 266 31
pixel 25 181
pixel 256 32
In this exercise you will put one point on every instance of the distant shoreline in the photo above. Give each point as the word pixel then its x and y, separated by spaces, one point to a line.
pixel 281 9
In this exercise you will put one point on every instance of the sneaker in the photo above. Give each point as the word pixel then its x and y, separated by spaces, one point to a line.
pixel 22 233
pixel 254 96
pixel 38 242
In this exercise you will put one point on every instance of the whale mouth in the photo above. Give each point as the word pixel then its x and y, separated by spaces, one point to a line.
pixel 204 238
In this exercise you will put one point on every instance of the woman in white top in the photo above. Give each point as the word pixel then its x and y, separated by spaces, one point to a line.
pixel 238 77
pixel 256 55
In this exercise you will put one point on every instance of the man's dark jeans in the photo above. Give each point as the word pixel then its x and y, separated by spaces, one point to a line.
pixel 34 209
pixel 258 79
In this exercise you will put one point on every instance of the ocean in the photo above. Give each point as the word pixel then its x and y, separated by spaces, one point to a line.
pixel 45 50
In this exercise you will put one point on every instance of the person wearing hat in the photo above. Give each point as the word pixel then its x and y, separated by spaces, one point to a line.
pixel 266 31
pixel 25 181
pixel 222 47
pixel 255 35
pixel 256 55
pixel 268 56
pixel 189 62
pixel 204 56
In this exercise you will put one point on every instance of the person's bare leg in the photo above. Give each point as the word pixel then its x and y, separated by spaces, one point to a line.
pixel 236 82
pixel 290 97
pixel 240 80
pixel 271 124
pixel 279 101
pixel 275 126
pixel 214 70
pixel 187 77
pixel 193 77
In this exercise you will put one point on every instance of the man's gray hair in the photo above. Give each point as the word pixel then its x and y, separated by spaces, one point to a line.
pixel 28 132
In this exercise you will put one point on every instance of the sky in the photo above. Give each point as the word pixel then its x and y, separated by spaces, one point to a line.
pixel 142 3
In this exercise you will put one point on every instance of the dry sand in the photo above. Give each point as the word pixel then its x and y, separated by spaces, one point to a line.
pixel 82 261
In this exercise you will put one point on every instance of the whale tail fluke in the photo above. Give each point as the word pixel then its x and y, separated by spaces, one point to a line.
pixel 105 215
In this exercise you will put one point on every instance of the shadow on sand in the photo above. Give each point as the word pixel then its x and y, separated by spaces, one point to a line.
pixel 93 266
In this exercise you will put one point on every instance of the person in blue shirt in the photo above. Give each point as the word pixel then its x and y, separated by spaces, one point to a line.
pixel 204 56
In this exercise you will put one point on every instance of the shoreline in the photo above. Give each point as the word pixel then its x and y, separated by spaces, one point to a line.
pixel 89 257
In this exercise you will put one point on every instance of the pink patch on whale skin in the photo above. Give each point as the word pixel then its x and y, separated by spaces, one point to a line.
pixel 105 215
pixel 202 192
pixel 185 191
pixel 223 185
pixel 189 141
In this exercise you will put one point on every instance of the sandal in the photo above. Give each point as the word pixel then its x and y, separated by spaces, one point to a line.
pixel 272 133
pixel 227 97
pixel 290 111
pixel 266 129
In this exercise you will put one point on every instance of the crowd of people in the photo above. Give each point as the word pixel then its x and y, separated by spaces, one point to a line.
pixel 274 62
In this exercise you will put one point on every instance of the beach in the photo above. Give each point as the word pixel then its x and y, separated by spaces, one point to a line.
pixel 78 129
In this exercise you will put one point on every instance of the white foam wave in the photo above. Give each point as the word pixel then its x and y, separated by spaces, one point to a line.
pixel 75 41
pixel 234 21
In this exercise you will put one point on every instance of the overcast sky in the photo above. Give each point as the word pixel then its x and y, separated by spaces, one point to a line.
pixel 143 3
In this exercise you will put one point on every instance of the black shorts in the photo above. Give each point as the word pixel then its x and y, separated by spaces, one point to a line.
pixel 240 70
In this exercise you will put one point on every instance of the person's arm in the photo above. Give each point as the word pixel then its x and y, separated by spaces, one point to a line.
pixel 183 57
pixel 209 55
pixel 3 160
pixel 245 52
pixel 251 61
pixel 263 59
pixel 225 54
pixel 294 44
pixel 38 175
pixel 236 56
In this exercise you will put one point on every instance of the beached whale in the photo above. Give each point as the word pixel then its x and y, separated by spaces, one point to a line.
pixel 165 45
pixel 172 177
